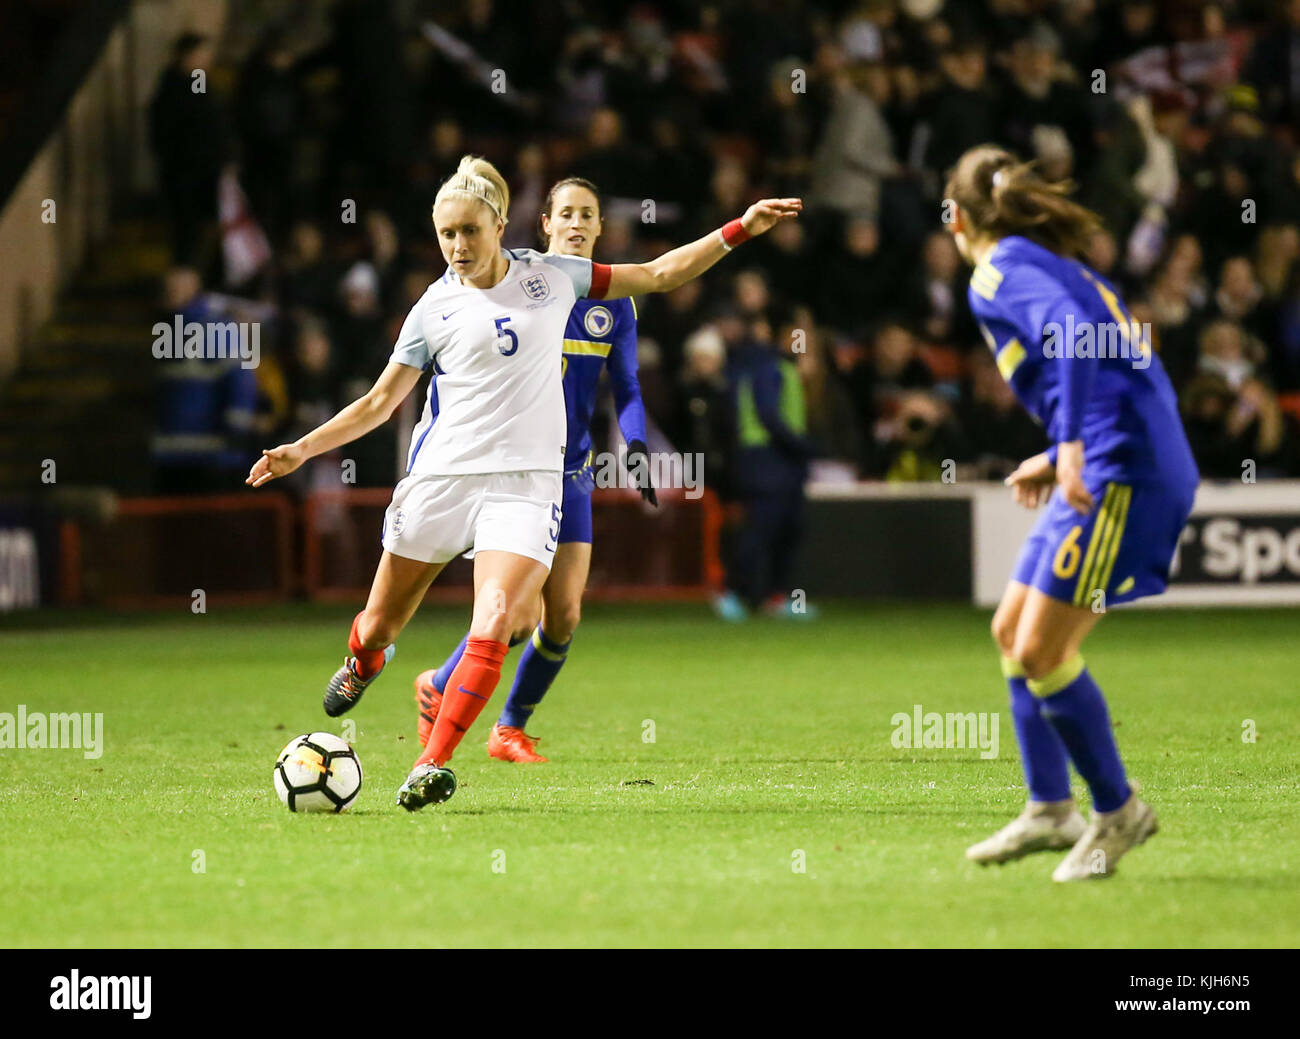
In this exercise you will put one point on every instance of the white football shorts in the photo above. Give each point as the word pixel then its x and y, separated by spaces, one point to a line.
pixel 435 518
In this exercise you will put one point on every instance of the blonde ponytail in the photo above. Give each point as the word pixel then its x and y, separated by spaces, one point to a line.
pixel 477 178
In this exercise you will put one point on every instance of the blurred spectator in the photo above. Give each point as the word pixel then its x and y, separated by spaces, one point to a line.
pixel 729 193
pixel 373 130
pixel 1229 427
pixel 859 281
pixel 307 277
pixel 768 473
pixel 206 406
pixel 920 442
pixel 1227 351
pixel 856 150
pixel 999 433
pixel 782 128
pixel 359 335
pixel 681 168
pixel 1273 66
pixel 1277 251
pixel 669 318
pixel 314 379
pixel 751 294
pixel 1240 298
pixel 384 251
pixel 703 421
pixel 782 256
pixel 361 346
pixel 610 161
pixel 1102 253
pixel 1043 116
pixel 188 134
pixel 896 363
pixel 269 113
pixel 528 190
pixel 831 418
pixel 1177 300
pixel 1242 178
pixel 960 113
pixel 934 294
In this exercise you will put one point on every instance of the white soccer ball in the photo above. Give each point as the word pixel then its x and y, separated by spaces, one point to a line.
pixel 317 772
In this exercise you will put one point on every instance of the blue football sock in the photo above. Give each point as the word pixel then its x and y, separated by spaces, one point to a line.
pixel 1042 754
pixel 443 673
pixel 1073 703
pixel 539 663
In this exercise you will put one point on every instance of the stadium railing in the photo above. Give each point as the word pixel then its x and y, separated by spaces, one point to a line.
pixel 158 552
pixel 250 549
pixel 640 553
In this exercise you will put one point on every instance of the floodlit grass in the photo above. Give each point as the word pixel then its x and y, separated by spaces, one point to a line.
pixel 769 809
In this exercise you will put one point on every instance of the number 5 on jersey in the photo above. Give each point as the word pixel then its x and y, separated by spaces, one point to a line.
pixel 502 334
pixel 553 535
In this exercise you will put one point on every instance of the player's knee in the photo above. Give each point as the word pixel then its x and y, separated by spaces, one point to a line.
pixel 563 622
pixel 1004 632
pixel 493 617
pixel 495 627
pixel 376 631
pixel 1038 656
pixel 523 629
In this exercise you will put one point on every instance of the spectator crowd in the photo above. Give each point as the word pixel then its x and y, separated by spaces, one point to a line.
pixel 1177 119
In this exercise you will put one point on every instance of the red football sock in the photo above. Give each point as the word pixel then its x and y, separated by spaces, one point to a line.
pixel 467 693
pixel 369 661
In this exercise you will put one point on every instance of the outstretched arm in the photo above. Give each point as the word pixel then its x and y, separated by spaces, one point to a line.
pixel 680 265
pixel 355 421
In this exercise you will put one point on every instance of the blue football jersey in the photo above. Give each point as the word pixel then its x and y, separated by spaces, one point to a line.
pixel 1078 362
pixel 600 333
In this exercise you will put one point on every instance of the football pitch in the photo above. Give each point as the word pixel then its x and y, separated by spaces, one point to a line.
pixel 709 785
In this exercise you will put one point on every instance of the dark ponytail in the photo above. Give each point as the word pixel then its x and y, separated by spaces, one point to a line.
pixel 1000 196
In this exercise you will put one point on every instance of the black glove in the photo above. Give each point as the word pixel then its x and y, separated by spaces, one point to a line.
pixel 638 467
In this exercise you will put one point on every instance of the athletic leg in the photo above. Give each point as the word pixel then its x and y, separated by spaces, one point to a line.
pixel 1043 755
pixel 1048 643
pixel 545 653
pixel 430 684
pixel 506 588
pixel 747 568
pixel 1049 636
pixel 395 594
pixel 1050 820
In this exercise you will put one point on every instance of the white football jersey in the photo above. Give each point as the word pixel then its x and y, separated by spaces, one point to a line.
pixel 496 402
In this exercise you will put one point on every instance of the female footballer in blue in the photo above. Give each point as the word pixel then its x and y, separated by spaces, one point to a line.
pixel 600 334
pixel 1124 483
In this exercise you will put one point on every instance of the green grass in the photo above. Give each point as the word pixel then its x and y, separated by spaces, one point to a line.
pixel 769 739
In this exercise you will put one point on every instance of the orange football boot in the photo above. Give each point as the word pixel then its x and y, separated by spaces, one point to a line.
pixel 510 744
pixel 429 700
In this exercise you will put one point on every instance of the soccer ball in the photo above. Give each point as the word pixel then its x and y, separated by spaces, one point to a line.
pixel 317 772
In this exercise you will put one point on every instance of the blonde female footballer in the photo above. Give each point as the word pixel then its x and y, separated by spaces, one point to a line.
pixel 600 338
pixel 484 476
